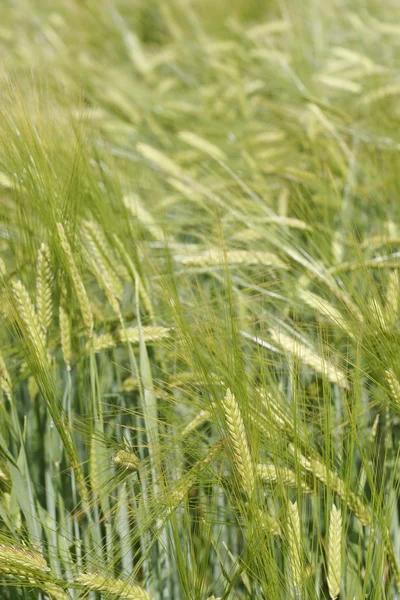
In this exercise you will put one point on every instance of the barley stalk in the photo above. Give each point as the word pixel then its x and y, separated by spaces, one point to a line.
pixel 240 447
pixel 335 552
pixel 76 281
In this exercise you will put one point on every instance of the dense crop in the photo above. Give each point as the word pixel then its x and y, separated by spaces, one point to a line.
pixel 199 324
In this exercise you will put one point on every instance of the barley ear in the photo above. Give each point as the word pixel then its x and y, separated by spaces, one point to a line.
pixel 392 302
pixel 127 460
pixel 76 281
pixel 28 320
pixel 335 552
pixel 314 359
pixel 394 386
pixel 240 446
pixel 43 288
pixel 21 561
pixel 65 330
pixel 294 540
pixel 268 524
pixel 331 479
pixel 202 417
pixel 280 475
pixel 53 591
pixel 5 379
pixel 28 567
pixel 3 268
pixel 112 587
pixel 100 255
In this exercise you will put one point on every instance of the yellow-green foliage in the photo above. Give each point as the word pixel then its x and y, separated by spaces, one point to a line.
pixel 199 315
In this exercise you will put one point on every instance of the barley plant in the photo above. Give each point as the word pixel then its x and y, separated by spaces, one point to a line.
pixel 200 298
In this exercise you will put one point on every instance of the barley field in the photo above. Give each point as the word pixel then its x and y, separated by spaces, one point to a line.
pixel 200 300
